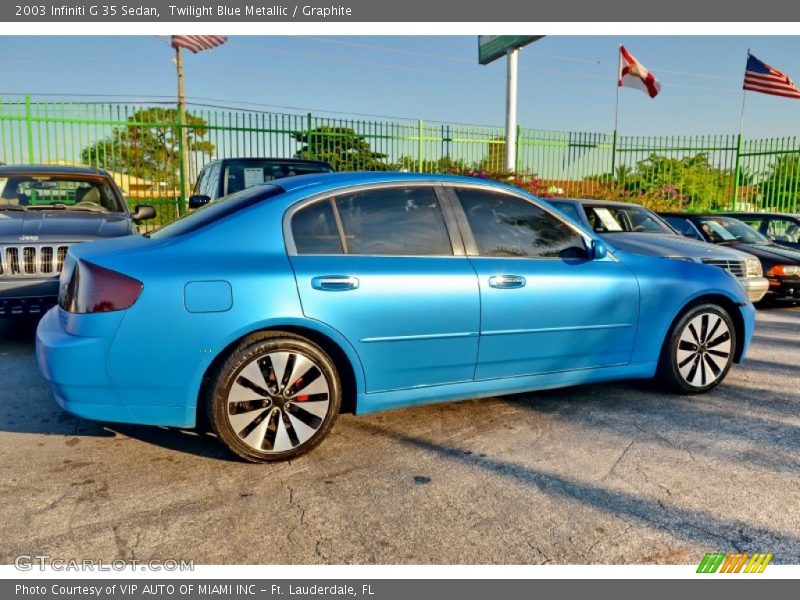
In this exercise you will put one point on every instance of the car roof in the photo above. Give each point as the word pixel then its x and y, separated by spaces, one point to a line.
pixel 330 181
pixel 760 214
pixel 293 161
pixel 10 170
pixel 595 202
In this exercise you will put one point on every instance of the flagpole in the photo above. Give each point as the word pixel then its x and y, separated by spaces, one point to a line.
pixel 737 171
pixel 616 115
pixel 744 98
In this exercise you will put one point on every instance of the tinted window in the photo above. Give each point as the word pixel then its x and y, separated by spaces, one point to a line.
pixel 244 174
pixel 314 230
pixel 211 183
pixel 507 226
pixel 199 186
pixel 569 210
pixel 216 210
pixel 725 229
pixel 394 221
pixel 684 227
pixel 606 219
pixel 783 230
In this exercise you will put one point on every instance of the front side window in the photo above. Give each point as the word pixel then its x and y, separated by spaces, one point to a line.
pixel 504 225
pixel 395 221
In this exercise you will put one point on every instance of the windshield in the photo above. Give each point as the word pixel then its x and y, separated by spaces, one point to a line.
pixel 637 219
pixel 216 210
pixel 725 229
pixel 58 192
pixel 240 175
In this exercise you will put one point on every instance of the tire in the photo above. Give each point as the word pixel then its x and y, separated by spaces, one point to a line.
pixel 698 352
pixel 275 397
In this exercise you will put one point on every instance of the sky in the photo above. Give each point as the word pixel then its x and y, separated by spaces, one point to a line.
pixel 565 82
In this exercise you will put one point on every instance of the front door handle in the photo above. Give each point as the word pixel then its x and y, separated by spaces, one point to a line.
pixel 335 283
pixel 506 282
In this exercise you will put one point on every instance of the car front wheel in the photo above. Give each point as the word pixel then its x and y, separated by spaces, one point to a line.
pixel 699 350
pixel 274 398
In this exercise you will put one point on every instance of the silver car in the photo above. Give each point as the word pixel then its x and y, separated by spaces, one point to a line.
pixel 633 228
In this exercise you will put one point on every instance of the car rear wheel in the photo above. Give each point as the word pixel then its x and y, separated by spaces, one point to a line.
pixel 275 397
pixel 699 350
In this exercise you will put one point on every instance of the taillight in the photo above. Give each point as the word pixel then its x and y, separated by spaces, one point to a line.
pixel 90 288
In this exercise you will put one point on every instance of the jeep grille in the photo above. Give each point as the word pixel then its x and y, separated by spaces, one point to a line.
pixel 33 260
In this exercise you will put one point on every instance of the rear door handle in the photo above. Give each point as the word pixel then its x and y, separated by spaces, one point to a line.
pixel 507 282
pixel 334 283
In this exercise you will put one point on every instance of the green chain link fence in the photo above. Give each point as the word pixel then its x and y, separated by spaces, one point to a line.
pixel 140 144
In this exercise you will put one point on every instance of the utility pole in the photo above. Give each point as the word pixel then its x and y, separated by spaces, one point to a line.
pixel 183 146
pixel 511 110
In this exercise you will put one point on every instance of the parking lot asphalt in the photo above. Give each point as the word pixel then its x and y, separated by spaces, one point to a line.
pixel 603 474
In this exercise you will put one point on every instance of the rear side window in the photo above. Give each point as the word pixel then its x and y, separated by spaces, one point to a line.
pixel 394 222
pixel 215 211
pixel 314 230
pixel 504 225
pixel 384 222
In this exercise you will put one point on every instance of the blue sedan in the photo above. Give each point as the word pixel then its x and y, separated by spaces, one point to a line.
pixel 270 311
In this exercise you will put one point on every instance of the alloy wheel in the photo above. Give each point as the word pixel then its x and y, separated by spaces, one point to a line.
pixel 278 401
pixel 704 349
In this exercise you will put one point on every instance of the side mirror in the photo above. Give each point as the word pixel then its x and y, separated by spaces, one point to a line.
pixel 143 212
pixel 598 250
pixel 198 200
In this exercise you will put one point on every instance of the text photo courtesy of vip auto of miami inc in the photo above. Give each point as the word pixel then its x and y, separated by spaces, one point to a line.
pixel 516 300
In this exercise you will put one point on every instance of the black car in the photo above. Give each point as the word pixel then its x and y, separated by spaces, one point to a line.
pixel 781 265
pixel 43 211
pixel 228 175
pixel 781 228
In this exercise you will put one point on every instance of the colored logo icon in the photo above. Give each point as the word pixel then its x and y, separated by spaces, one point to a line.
pixel 720 562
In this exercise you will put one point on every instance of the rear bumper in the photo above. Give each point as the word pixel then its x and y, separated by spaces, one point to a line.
pixel 755 287
pixel 77 369
pixel 27 297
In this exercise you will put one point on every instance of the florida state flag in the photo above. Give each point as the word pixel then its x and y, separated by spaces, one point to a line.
pixel 634 74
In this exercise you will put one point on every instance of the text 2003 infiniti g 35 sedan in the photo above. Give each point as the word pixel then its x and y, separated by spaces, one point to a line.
pixel 274 308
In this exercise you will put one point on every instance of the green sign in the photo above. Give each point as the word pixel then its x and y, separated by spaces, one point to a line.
pixel 492 47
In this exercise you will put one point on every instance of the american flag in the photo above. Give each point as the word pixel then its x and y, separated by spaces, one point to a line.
pixel 196 43
pixel 760 77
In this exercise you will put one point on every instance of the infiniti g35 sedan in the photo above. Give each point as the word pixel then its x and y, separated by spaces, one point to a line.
pixel 269 311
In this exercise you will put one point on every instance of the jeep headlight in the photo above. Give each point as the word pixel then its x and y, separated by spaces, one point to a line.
pixel 754 268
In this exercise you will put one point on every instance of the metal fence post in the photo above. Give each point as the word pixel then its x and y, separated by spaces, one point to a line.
pixel 516 149
pixel 182 201
pixel 737 171
pixel 419 146
pixel 29 128
pixel 308 134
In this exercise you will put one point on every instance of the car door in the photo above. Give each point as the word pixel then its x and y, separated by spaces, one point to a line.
pixel 545 305
pixel 385 266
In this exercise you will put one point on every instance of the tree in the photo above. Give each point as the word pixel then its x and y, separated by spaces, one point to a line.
pixel 147 145
pixel 445 164
pixel 341 147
